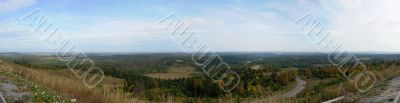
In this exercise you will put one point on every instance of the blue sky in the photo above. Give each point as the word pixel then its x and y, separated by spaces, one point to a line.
pixel 225 25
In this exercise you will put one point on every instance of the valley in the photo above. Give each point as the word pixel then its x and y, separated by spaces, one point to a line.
pixel 160 77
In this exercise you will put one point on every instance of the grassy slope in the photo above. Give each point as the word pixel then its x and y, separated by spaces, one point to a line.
pixel 64 82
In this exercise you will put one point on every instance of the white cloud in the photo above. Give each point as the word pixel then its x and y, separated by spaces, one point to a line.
pixel 118 35
pixel 10 29
pixel 367 25
pixel 12 5
pixel 244 29
pixel 199 21
pixel 119 30
pixel 14 37
pixel 361 25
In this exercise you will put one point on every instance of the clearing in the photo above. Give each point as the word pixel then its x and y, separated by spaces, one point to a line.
pixel 175 72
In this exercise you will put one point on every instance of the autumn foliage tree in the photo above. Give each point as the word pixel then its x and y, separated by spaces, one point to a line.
pixel 292 74
pixel 283 78
pixel 309 73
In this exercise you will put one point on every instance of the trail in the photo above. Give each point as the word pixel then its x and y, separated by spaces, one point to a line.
pixel 387 95
pixel 299 87
pixel 301 84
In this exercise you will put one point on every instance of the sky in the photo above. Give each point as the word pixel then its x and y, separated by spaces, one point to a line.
pixel 224 25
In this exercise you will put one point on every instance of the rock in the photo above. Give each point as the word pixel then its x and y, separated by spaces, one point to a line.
pixel 10 92
pixel 22 98
pixel 73 100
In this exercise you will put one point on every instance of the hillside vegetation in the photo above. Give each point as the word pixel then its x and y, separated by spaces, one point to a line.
pixel 174 78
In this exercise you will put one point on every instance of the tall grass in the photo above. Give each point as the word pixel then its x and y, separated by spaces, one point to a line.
pixel 69 87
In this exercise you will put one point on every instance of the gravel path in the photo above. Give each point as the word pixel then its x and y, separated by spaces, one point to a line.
pixel 301 84
pixel 388 94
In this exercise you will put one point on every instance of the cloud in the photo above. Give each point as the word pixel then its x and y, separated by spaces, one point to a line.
pixel 118 31
pixel 366 25
pixel 12 5
pixel 10 29
pixel 361 25
pixel 237 28
pixel 14 37
pixel 118 35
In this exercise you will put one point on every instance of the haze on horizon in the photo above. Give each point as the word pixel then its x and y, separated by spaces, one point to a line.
pixel 225 25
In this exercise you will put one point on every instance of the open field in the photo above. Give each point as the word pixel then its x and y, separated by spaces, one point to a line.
pixel 175 72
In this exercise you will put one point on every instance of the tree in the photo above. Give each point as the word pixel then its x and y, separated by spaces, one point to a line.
pixel 309 73
pixel 240 89
pixel 283 78
pixel 274 76
pixel 292 74
pixel 198 86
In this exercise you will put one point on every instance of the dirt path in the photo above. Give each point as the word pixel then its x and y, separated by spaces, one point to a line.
pixel 301 84
pixel 387 94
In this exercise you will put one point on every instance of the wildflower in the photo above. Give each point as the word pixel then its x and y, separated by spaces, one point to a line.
pixel 73 100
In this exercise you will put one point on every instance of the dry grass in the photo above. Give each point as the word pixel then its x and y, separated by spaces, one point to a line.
pixel 273 99
pixel 71 87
